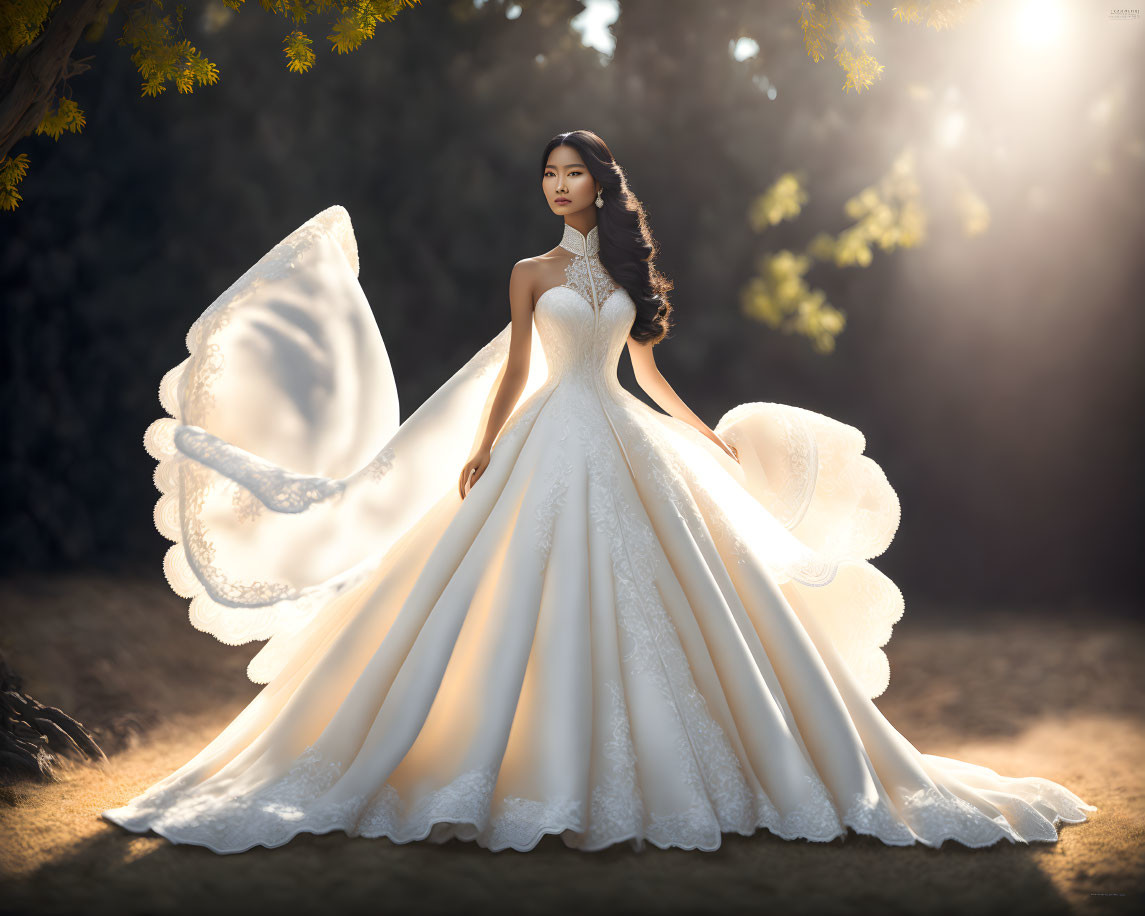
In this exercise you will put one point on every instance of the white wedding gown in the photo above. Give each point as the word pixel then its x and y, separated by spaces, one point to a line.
pixel 620 634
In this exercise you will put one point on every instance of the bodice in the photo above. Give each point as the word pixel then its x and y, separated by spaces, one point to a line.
pixel 583 324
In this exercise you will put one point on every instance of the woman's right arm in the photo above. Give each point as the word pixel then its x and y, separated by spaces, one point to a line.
pixel 514 374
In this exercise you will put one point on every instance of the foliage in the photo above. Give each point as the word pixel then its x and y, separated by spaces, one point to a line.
pixel 21 22
pixel 842 24
pixel 780 297
pixel 783 200
pixel 160 55
pixel 67 116
pixel 888 214
pixel 163 55
pixel 12 169
pixel 939 14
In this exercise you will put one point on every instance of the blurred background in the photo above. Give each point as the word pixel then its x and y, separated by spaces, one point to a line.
pixel 974 217
pixel 932 234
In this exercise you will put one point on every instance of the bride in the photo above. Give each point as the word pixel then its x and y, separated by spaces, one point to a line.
pixel 614 625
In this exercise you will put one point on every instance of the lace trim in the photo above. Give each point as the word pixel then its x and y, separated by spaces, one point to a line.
pixel 198 552
pixel 465 809
pixel 276 487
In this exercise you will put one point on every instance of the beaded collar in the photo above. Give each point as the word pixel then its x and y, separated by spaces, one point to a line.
pixel 584 245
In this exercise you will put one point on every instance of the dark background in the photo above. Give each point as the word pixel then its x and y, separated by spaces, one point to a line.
pixel 998 379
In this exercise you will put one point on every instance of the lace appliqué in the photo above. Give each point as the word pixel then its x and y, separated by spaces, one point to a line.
pixel 650 647
pixel 588 277
pixel 554 499
pixel 246 505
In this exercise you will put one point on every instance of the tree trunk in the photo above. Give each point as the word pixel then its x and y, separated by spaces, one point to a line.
pixel 30 78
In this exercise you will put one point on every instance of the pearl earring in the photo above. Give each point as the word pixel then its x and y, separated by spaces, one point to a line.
pixel 599 199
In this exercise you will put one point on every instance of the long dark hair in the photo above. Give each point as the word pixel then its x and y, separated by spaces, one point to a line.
pixel 627 247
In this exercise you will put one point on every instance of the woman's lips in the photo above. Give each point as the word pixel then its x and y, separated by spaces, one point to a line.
pixel 563 200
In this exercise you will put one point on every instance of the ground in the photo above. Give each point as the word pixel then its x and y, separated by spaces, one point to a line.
pixel 1027 691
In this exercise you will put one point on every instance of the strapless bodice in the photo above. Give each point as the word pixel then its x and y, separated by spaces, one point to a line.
pixel 584 322
pixel 582 342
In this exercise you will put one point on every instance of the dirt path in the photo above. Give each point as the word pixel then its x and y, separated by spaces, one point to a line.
pixel 1024 693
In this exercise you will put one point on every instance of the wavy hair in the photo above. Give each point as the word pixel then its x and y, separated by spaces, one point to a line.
pixel 627 247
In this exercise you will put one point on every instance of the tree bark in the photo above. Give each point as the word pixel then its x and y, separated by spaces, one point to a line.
pixel 30 78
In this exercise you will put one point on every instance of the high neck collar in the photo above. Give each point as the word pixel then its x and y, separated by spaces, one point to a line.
pixel 577 243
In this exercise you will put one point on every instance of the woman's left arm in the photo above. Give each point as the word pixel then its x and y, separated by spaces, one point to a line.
pixel 652 381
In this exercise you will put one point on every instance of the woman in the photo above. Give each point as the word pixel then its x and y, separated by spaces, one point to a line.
pixel 620 625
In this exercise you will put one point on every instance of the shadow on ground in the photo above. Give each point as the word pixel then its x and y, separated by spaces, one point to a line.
pixel 1025 692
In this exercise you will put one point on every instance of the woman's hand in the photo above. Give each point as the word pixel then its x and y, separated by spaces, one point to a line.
pixel 731 450
pixel 472 471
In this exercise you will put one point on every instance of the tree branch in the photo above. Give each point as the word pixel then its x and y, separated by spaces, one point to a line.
pixel 30 78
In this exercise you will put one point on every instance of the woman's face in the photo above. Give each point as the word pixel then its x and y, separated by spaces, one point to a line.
pixel 567 183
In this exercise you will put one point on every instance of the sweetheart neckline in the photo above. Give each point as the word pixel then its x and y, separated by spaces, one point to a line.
pixel 583 299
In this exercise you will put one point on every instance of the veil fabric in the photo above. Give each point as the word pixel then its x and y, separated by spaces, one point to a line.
pixel 286 475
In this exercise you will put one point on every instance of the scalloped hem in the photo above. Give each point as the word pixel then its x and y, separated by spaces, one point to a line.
pixel 436 834
pixel 279 609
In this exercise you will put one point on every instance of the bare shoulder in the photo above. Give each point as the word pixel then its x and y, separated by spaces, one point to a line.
pixel 549 269
pixel 523 280
pixel 524 272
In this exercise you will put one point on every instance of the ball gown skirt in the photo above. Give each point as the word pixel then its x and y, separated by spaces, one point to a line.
pixel 620 634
